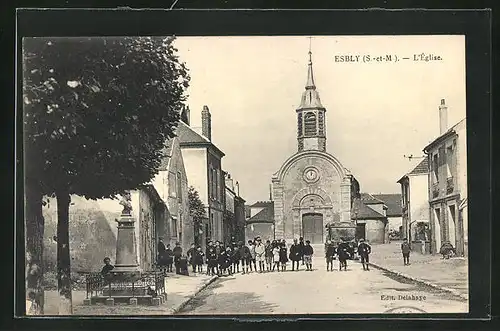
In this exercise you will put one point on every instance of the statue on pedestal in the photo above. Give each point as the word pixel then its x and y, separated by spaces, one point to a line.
pixel 125 202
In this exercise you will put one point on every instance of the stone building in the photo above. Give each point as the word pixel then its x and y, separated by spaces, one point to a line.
pixel 394 210
pixel 260 221
pixel 203 163
pixel 415 199
pixel 234 214
pixel 312 188
pixel 370 217
pixel 171 183
pixel 448 184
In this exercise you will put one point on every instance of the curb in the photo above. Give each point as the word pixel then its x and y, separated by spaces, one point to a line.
pixel 420 281
pixel 200 288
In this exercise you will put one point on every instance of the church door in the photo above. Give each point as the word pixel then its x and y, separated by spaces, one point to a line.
pixel 312 228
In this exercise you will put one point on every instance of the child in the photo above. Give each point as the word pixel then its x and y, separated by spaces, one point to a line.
pixel 251 246
pixel 235 258
pixel 276 258
pixel 405 249
pixel 198 259
pixel 211 259
pixel 269 255
pixel 329 255
pixel 308 253
pixel 283 256
pixel 245 257
pixel 169 258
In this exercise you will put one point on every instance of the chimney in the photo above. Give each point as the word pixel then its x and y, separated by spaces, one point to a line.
pixel 237 188
pixel 270 192
pixel 185 116
pixel 229 182
pixel 443 117
pixel 206 123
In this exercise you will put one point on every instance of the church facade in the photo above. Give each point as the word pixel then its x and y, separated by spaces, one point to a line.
pixel 312 189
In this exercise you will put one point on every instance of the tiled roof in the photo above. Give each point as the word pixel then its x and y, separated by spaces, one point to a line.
pixel 262 204
pixel 393 203
pixel 421 168
pixel 370 199
pixel 188 137
pixel 363 211
pixel 266 215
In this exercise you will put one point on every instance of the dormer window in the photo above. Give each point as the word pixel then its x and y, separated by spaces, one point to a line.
pixel 310 124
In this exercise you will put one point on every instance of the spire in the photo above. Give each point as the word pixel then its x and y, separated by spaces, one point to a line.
pixel 310 77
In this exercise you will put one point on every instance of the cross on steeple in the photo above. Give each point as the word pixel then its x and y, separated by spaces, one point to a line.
pixel 310 76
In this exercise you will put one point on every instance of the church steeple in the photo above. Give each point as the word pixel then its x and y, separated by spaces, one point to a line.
pixel 310 76
pixel 311 130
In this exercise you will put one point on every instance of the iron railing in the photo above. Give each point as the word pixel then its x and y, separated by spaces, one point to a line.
pixel 98 285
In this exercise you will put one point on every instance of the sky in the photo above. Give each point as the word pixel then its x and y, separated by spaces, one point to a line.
pixel 376 112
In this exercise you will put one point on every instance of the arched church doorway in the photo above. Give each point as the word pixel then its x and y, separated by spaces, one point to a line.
pixel 312 227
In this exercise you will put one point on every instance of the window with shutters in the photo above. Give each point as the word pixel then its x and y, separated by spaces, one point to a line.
pixel 321 123
pixel 299 125
pixel 310 124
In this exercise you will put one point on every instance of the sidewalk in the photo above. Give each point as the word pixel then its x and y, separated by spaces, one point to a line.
pixel 450 275
pixel 180 289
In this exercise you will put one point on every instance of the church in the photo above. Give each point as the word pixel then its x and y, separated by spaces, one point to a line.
pixel 312 190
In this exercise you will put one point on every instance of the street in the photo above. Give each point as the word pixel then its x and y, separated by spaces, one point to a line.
pixel 320 292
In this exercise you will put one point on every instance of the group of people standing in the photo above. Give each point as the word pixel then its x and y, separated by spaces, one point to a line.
pixel 343 251
pixel 255 256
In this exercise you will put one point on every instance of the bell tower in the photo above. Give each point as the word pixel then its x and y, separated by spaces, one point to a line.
pixel 311 120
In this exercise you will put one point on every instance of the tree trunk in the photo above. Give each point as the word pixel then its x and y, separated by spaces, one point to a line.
pixel 63 256
pixel 34 249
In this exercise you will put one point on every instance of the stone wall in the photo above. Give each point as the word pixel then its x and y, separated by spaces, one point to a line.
pixel 90 231
pixel 375 231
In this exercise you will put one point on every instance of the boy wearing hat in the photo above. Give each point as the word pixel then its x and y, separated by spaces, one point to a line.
pixel 364 251
pixel 329 255
pixel 308 253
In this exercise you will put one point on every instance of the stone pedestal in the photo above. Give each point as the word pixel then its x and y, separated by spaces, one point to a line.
pixel 126 251
pixel 156 301
pixel 110 302
pixel 86 302
pixel 133 301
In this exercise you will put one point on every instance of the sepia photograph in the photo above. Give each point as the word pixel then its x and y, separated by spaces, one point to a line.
pixel 245 175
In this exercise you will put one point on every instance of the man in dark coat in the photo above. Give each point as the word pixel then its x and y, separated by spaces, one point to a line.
pixel 406 249
pixel 169 258
pixel 190 255
pixel 295 254
pixel 301 249
pixel 343 250
pixel 177 257
pixel 364 251
pixel 162 258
